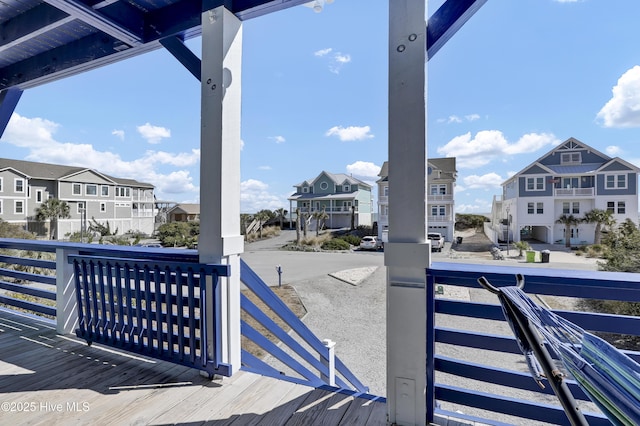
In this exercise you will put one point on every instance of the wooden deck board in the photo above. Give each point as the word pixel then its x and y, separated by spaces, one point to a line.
pixel 62 380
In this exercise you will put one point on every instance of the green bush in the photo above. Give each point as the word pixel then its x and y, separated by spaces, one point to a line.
pixel 354 240
pixel 336 244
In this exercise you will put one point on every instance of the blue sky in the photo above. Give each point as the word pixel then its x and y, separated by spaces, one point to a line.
pixel 517 79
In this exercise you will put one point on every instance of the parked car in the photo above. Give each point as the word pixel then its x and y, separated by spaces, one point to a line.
pixel 369 243
pixel 437 241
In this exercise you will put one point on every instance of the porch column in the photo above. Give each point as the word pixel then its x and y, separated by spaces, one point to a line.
pixel 407 254
pixel 220 239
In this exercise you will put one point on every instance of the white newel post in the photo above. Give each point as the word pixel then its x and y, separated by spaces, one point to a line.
pixel 329 362
pixel 220 239
pixel 66 304
pixel 407 254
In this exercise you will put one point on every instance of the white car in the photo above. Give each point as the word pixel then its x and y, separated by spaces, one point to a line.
pixel 369 243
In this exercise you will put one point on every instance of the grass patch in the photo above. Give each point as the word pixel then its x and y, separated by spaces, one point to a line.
pixel 290 297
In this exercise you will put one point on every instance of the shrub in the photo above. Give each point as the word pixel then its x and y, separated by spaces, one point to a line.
pixel 336 244
pixel 354 240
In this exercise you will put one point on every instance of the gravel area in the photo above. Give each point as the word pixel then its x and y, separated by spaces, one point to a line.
pixel 345 295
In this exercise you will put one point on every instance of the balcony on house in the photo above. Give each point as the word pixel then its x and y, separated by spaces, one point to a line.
pixel 574 192
pixel 476 373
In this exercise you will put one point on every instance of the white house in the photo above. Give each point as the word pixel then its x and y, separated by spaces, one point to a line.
pixel 441 181
pixel 572 179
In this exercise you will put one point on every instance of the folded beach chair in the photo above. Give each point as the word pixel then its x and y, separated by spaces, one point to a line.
pixel 609 377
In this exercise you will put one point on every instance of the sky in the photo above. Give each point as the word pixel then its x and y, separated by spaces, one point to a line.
pixel 516 80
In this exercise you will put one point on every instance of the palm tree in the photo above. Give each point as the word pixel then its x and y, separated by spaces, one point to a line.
pixel 52 210
pixel 568 220
pixel 320 216
pixel 262 217
pixel 281 213
pixel 600 218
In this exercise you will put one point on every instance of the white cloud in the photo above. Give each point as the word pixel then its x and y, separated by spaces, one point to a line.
pixel 278 139
pixel 613 150
pixel 364 170
pixel 351 133
pixel 264 168
pixel 623 109
pixel 486 181
pixel 37 136
pixel 489 145
pixel 153 134
pixel 478 206
pixel 255 196
pixel 119 134
pixel 336 61
pixel 322 52
pixel 457 119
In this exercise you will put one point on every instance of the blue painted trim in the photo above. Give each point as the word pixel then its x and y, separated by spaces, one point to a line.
pixel 27 261
pixel 260 340
pixel 470 339
pixel 512 406
pixel 24 289
pixel 499 376
pixel 27 276
pixel 430 346
pixel 8 101
pixel 447 20
pixel 251 309
pixel 184 55
pixel 30 306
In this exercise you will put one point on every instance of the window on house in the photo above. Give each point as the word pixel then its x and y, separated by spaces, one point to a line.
pixel 535 184
pixel 39 196
pixel 434 189
pixel 570 182
pixel 103 207
pixel 324 185
pixel 0 206
pixel 622 207
pixel 104 190
pixel 305 189
pixel 384 210
pixel 575 208
pixel 438 210
pixel 121 191
pixel 565 208
pixel 77 189
pixel 611 206
pixel 19 185
pixel 530 208
pixel 385 190
pixel 571 158
pixel 540 208
pixel 19 207
pixel 616 181
pixel 346 188
pixel 0 184
pixel 575 233
pixel 80 208
pixel 91 189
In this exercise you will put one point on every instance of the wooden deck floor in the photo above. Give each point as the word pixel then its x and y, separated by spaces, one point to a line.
pixel 50 379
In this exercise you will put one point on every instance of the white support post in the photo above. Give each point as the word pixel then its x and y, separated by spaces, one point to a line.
pixel 407 254
pixel 220 239
pixel 329 362
pixel 66 304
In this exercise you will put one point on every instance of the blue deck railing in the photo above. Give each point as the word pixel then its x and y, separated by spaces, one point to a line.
pixel 480 376
pixel 154 308
pixel 308 359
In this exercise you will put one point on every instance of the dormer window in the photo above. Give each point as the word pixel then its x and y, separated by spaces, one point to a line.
pixel 570 158
pixel 346 188
pixel 305 189
pixel 324 185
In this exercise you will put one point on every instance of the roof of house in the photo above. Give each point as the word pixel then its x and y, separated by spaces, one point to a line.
pixel 572 144
pixel 188 208
pixel 445 164
pixel 337 178
pixel 48 171
pixel 334 196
